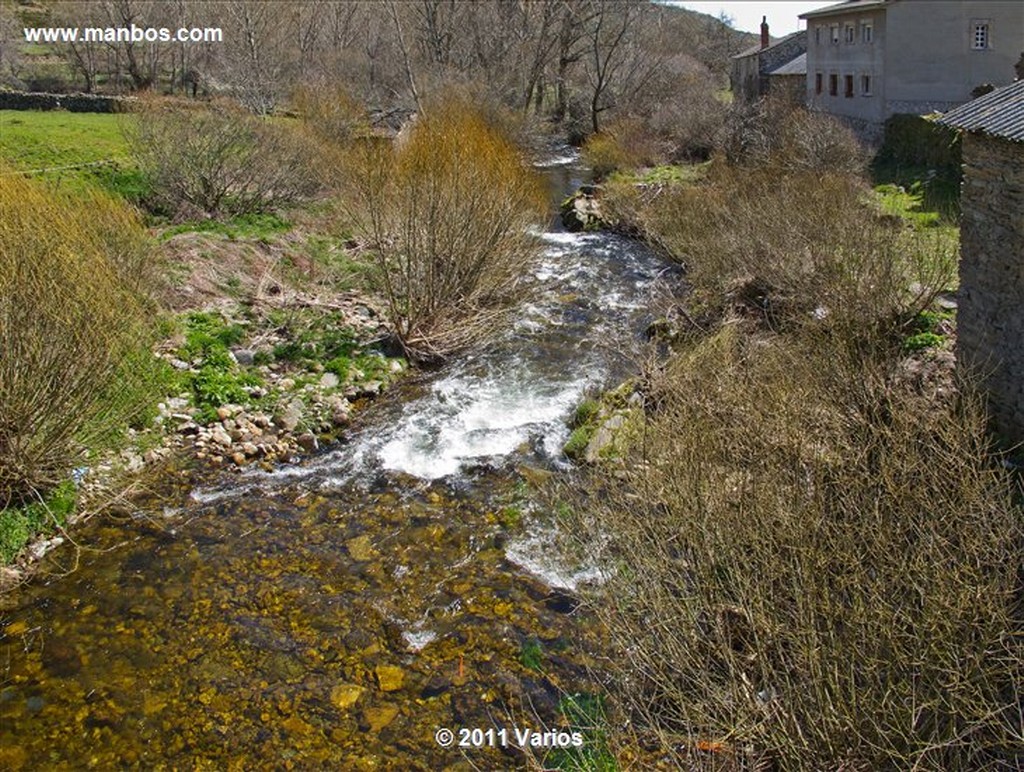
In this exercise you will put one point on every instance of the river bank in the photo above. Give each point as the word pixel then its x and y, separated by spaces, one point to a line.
pixel 340 608
pixel 263 357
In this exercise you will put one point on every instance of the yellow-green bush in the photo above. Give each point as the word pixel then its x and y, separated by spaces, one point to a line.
pixel 72 324
pixel 446 213
pixel 625 144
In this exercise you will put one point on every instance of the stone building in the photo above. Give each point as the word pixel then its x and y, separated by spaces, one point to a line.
pixel 869 59
pixel 990 315
pixel 752 69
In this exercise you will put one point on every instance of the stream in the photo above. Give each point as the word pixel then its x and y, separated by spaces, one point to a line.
pixel 335 613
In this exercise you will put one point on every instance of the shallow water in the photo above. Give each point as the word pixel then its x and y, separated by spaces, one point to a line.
pixel 334 614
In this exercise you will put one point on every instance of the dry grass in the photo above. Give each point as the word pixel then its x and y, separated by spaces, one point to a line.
pixel 72 271
pixel 446 214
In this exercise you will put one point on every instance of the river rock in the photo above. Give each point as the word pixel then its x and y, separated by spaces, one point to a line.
pixel 308 442
pixel 289 417
pixel 344 696
pixel 389 677
pixel 221 437
pixel 582 211
pixel 361 548
pixel 329 381
pixel 244 356
pixel 377 718
pixel 603 438
pixel 370 389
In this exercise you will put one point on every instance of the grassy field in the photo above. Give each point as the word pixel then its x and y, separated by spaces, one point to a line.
pixel 56 145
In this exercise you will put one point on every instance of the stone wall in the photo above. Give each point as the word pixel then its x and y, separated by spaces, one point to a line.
pixel 990 317
pixel 749 77
pixel 75 103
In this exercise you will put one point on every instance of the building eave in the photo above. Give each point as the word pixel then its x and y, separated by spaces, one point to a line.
pixel 850 6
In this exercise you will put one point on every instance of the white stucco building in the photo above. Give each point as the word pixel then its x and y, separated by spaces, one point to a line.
pixel 869 59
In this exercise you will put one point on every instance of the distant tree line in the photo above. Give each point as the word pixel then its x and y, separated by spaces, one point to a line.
pixel 570 60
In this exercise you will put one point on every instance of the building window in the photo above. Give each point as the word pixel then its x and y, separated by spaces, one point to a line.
pixel 848 31
pixel 817 82
pixel 833 84
pixel 979 35
pixel 865 85
pixel 848 83
pixel 834 30
pixel 866 32
pixel 817 35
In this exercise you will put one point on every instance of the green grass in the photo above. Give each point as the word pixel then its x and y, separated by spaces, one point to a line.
pixel 668 174
pixel 18 525
pixel 55 139
pixel 246 226
pixel 931 190
pixel 585 713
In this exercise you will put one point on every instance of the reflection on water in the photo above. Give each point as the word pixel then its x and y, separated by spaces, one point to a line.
pixel 336 613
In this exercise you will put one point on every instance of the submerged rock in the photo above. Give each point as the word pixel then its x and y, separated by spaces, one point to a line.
pixel 389 677
pixel 344 696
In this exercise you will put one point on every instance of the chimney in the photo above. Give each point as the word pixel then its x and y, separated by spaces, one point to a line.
pixel 764 32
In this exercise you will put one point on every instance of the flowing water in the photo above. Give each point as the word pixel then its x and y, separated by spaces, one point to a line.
pixel 334 614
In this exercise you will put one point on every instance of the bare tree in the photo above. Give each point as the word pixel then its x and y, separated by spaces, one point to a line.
pixel 10 47
pixel 606 43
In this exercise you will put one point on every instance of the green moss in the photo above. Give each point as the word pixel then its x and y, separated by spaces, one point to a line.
pixel 531 654
pixel 578 441
pixel 510 517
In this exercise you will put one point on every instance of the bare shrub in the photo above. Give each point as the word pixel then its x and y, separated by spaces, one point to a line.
pixel 806 244
pixel 773 131
pixel 218 159
pixel 811 569
pixel 72 331
pixel 446 214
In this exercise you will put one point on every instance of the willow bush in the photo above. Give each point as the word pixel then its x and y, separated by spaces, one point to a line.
pixel 73 329
pixel 446 213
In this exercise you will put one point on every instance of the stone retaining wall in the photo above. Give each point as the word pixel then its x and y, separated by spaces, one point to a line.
pixel 990 317
pixel 75 103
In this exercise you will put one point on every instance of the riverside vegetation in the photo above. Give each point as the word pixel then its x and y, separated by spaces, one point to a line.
pixel 808 500
pixel 270 331
pixel 811 548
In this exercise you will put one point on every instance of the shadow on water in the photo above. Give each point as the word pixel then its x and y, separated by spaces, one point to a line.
pixel 336 613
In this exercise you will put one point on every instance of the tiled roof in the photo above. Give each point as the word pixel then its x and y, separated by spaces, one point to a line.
pixel 999 113
pixel 846 7
pixel 796 66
